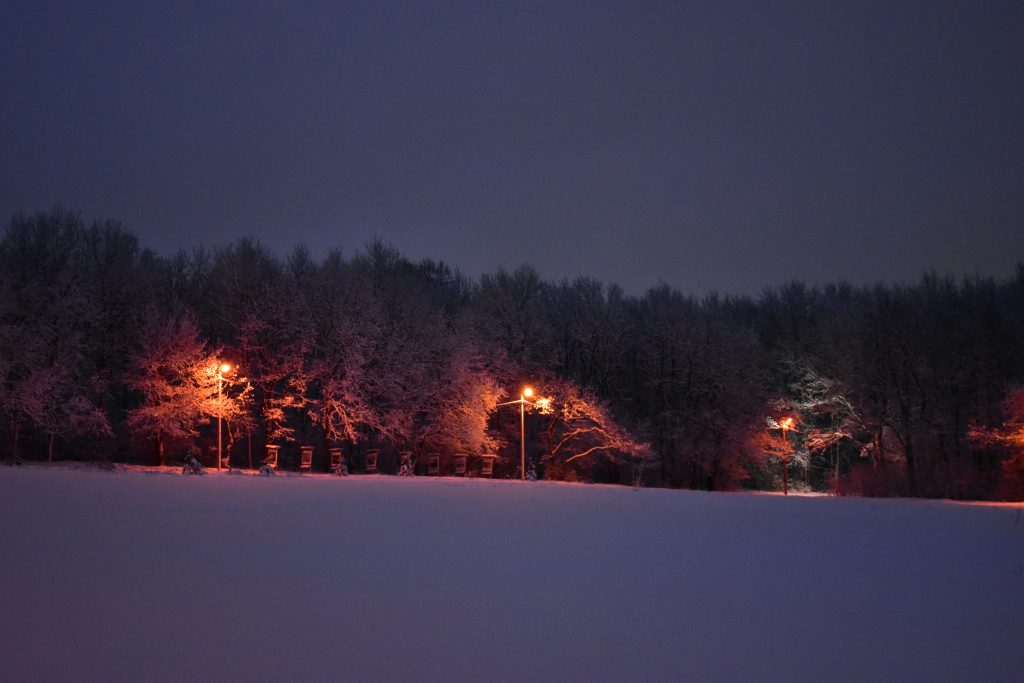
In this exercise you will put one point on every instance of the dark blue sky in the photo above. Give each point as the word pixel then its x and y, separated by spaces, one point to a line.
pixel 713 146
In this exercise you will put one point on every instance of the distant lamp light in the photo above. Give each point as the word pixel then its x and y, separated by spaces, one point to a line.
pixel 225 368
pixel 528 392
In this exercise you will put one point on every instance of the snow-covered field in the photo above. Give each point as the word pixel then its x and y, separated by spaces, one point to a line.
pixel 134 576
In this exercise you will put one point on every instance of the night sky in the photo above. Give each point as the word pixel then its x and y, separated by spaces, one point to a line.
pixel 712 146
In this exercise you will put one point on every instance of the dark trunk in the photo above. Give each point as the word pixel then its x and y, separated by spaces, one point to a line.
pixel 327 453
pixel 785 475
pixel 835 455
pixel 14 448
pixel 159 448
pixel 326 446
pixel 908 452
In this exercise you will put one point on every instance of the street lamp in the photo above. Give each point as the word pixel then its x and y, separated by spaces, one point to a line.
pixel 223 370
pixel 527 393
pixel 785 424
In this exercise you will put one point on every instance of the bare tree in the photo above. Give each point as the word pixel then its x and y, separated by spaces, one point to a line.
pixel 579 426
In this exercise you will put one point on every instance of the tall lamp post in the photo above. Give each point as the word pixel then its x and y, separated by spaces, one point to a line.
pixel 785 424
pixel 224 369
pixel 527 393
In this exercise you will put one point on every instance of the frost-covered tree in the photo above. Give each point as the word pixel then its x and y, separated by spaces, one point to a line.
pixel 176 375
pixel 403 367
pixel 57 406
pixel 579 426
pixel 831 422
pixel 459 413
pixel 823 429
pixel 50 382
pixel 235 406
pixel 274 345
pixel 343 316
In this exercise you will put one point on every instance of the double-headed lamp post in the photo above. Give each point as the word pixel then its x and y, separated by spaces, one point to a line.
pixel 222 370
pixel 527 393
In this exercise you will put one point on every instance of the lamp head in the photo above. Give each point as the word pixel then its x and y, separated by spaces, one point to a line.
pixel 225 368
pixel 527 392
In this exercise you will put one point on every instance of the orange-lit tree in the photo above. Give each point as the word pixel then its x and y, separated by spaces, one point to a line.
pixel 1008 436
pixel 177 376
pixel 579 426
pixel 458 420
pixel 236 407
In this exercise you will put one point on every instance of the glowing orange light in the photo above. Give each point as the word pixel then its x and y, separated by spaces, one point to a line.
pixel 787 423
pixel 527 392
pixel 225 368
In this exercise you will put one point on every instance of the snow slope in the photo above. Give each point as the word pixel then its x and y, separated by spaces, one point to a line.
pixel 132 576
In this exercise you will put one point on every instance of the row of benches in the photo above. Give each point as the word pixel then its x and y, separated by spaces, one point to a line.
pixel 459 461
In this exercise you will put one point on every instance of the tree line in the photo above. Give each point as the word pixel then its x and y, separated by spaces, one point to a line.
pixel 111 351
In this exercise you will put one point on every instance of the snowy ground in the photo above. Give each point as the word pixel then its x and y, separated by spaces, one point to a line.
pixel 133 576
